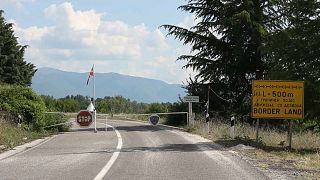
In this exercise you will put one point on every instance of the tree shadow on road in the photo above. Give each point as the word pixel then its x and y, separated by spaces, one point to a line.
pixel 175 148
pixel 139 128
pixel 90 129
pixel 198 147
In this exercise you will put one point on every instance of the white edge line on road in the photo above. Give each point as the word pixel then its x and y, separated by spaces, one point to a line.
pixel 113 158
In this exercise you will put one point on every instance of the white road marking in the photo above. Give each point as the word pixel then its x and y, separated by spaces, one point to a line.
pixel 113 158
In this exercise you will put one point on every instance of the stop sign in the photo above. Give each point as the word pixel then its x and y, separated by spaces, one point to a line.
pixel 84 118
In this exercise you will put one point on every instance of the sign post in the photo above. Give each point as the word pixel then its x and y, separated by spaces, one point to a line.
pixel 190 100
pixel 277 100
pixel 290 134
pixel 190 111
pixel 257 130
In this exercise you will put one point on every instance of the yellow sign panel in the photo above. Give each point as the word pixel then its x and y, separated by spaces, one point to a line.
pixel 277 99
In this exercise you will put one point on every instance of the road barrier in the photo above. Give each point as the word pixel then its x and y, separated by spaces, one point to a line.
pixel 132 117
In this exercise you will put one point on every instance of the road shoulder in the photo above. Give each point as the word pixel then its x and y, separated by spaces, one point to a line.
pixel 25 147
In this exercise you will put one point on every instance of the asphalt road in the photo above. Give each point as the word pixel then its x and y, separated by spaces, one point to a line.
pixel 131 151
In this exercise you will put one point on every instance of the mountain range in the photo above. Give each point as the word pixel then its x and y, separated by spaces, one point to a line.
pixel 57 83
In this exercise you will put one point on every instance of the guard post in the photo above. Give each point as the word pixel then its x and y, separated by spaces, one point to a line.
pixel 232 128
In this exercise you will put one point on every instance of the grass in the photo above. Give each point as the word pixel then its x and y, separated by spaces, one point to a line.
pixel 11 136
pixel 271 148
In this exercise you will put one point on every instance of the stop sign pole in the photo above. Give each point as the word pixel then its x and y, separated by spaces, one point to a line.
pixel 94 101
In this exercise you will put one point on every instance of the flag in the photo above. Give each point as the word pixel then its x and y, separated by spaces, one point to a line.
pixel 90 74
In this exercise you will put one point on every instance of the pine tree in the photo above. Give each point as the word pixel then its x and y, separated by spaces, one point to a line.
pixel 13 68
pixel 229 41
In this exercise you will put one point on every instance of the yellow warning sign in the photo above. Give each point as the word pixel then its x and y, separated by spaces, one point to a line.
pixel 277 99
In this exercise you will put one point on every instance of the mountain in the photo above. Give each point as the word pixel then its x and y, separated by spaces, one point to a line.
pixel 57 83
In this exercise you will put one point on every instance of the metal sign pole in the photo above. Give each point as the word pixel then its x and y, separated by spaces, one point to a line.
pixel 94 100
pixel 257 130
pixel 190 112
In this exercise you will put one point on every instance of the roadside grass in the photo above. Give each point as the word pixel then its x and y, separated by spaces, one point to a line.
pixel 271 149
pixel 11 136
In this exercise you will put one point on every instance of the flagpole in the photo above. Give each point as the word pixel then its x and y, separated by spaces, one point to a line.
pixel 94 100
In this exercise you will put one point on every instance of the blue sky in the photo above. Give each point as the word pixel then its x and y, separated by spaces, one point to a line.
pixel 121 36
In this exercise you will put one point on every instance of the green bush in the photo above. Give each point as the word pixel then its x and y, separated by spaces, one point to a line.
pixel 156 108
pixel 22 100
pixel 52 121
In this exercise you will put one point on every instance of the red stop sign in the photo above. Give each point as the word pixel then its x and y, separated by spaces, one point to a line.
pixel 84 118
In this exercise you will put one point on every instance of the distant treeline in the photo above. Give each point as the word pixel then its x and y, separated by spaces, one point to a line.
pixel 116 105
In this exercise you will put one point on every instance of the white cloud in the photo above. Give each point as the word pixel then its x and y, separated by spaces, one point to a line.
pixel 114 28
pixel 188 22
pixel 66 16
pixel 32 33
pixel 77 39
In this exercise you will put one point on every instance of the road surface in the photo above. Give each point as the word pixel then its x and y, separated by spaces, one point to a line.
pixel 132 150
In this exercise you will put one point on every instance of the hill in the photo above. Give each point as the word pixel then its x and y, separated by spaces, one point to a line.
pixel 57 83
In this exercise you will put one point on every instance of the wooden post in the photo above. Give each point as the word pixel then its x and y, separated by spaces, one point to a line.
pixel 290 134
pixel 257 130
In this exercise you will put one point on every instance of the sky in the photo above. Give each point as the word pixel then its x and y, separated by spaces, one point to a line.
pixel 121 36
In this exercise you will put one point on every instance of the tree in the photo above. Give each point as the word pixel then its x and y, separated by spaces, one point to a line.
pixel 295 52
pixel 157 108
pixel 13 68
pixel 228 44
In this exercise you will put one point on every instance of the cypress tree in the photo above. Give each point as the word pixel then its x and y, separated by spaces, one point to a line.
pixel 13 68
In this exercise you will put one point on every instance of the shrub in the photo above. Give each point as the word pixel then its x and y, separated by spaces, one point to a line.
pixel 55 119
pixel 22 100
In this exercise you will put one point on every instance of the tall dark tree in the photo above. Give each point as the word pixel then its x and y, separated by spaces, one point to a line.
pixel 13 68
pixel 229 41
pixel 295 52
